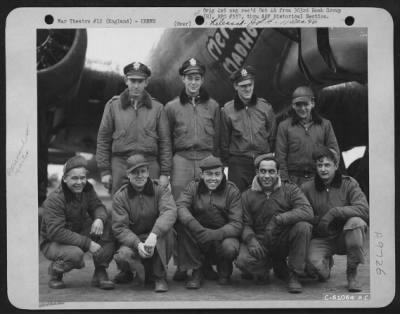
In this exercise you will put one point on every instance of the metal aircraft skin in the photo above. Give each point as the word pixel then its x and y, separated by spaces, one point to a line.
pixel 73 90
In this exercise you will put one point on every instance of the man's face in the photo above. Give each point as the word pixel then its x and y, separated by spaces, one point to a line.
pixel 76 179
pixel 326 169
pixel 192 83
pixel 245 89
pixel 138 177
pixel 212 177
pixel 136 86
pixel 303 109
pixel 268 174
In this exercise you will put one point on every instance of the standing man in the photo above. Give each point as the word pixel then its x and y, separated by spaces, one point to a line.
pixel 133 123
pixel 299 135
pixel 74 222
pixel 341 212
pixel 247 130
pixel 194 120
pixel 210 216
pixel 143 214
pixel 276 227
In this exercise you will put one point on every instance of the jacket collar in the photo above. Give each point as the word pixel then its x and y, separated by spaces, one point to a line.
pixel 201 98
pixel 239 105
pixel 257 187
pixel 148 189
pixel 69 195
pixel 126 101
pixel 203 189
pixel 315 117
pixel 336 182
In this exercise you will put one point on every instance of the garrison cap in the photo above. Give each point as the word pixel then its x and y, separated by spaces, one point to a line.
pixel 243 74
pixel 136 161
pixel 260 158
pixel 137 70
pixel 192 66
pixel 210 162
pixel 302 94
pixel 75 162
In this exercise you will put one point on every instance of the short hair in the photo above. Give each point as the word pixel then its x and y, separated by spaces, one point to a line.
pixel 324 151
pixel 267 157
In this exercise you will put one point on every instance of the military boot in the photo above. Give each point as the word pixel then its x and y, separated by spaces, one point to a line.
pixel 100 279
pixel 294 285
pixel 353 284
pixel 195 280
pixel 209 272
pixel 225 269
pixel 55 281
pixel 123 277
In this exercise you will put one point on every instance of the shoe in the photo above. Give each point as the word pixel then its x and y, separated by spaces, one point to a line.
pixel 294 285
pixel 209 272
pixel 55 281
pixel 224 281
pixel 179 275
pixel 100 279
pixel 246 276
pixel 160 285
pixel 194 281
pixel 353 284
pixel 123 277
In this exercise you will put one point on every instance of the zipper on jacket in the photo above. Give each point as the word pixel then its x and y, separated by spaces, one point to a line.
pixel 250 128
pixel 195 119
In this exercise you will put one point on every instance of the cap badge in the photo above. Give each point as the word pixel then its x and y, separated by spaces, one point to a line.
pixel 243 72
pixel 193 62
pixel 136 66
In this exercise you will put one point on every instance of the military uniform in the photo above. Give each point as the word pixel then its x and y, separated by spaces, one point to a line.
pixel 135 215
pixel 247 130
pixel 126 129
pixel 194 125
pixel 340 226
pixel 289 238
pixel 216 212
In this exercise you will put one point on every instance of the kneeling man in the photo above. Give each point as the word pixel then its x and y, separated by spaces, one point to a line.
pixel 143 214
pixel 276 230
pixel 210 224
pixel 341 211
pixel 75 221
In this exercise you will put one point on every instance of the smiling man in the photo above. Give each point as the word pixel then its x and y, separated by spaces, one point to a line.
pixel 299 135
pixel 143 214
pixel 210 216
pixel 133 123
pixel 247 129
pixel 74 222
pixel 277 227
pixel 342 213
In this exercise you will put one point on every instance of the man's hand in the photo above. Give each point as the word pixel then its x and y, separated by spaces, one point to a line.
pixel 142 251
pixel 323 227
pixel 94 247
pixel 107 181
pixel 97 227
pixel 164 181
pixel 150 243
pixel 207 235
pixel 256 249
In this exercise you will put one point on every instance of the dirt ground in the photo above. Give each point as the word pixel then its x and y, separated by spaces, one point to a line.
pixel 79 288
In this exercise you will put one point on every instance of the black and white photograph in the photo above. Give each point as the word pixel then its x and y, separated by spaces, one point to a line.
pixel 229 161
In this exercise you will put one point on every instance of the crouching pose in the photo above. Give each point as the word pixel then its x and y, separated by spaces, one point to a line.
pixel 341 211
pixel 143 214
pixel 276 227
pixel 210 224
pixel 74 222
